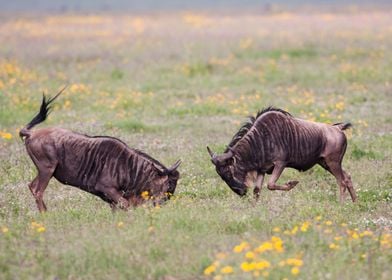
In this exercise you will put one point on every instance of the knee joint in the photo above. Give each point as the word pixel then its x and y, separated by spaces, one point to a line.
pixel 346 183
pixel 270 186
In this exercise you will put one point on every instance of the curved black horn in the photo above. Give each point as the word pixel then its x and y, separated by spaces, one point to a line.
pixel 212 154
pixel 228 155
pixel 174 166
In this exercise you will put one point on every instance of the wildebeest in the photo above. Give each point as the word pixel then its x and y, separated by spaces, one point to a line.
pixel 274 140
pixel 101 165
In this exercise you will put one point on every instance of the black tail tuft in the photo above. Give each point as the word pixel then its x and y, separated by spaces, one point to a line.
pixel 343 126
pixel 42 114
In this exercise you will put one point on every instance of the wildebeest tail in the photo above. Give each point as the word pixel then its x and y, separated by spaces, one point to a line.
pixel 41 115
pixel 343 126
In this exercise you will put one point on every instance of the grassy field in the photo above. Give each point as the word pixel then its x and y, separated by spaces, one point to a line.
pixel 170 84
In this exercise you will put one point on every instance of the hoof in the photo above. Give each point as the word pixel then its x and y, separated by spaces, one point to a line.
pixel 292 184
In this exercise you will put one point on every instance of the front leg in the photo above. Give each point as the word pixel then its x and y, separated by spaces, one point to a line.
pixel 278 169
pixel 258 186
pixel 113 196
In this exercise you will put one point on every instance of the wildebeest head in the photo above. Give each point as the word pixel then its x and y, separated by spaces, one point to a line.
pixel 172 176
pixel 225 165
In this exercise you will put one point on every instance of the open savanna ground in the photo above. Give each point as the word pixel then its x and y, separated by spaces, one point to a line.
pixel 170 84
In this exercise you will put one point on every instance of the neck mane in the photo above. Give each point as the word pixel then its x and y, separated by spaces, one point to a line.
pixel 246 127
pixel 137 151
pixel 149 158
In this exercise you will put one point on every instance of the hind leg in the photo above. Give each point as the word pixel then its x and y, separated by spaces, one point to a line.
pixel 38 186
pixel 343 179
pixel 349 184
pixel 33 186
pixel 44 158
pixel 278 169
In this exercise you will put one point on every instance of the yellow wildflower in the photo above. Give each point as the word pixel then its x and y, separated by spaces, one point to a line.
pixel 276 229
pixel 41 229
pixel 246 266
pixel 4 229
pixel 145 195
pixel 67 104
pixel 295 270
pixel 328 223
pixel 265 246
pixel 5 135
pixel 386 240
pixel 366 233
pixel 276 239
pixel 277 244
pixel 250 255
pixel 78 88
pixel 196 21
pixel 355 235
pixel 210 269
pixel 333 246
pixel 318 218
pixel 305 226
pixel 241 247
pixel 120 224
pixel 227 270
pixel 35 225
pixel 221 256
pixel 262 264
pixel 294 230
pixel 294 262
pixel 339 106
pixel 278 247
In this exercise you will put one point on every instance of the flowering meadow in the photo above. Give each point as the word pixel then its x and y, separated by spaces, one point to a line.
pixel 170 84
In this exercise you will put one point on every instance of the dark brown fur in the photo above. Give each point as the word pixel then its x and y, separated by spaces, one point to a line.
pixel 101 165
pixel 274 140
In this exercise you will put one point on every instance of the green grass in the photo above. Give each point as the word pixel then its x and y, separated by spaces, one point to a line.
pixel 170 86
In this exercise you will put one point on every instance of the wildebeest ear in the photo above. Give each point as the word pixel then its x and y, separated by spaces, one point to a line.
pixel 161 169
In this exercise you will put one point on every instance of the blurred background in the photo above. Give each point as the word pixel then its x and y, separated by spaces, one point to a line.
pixel 169 78
pixel 170 5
